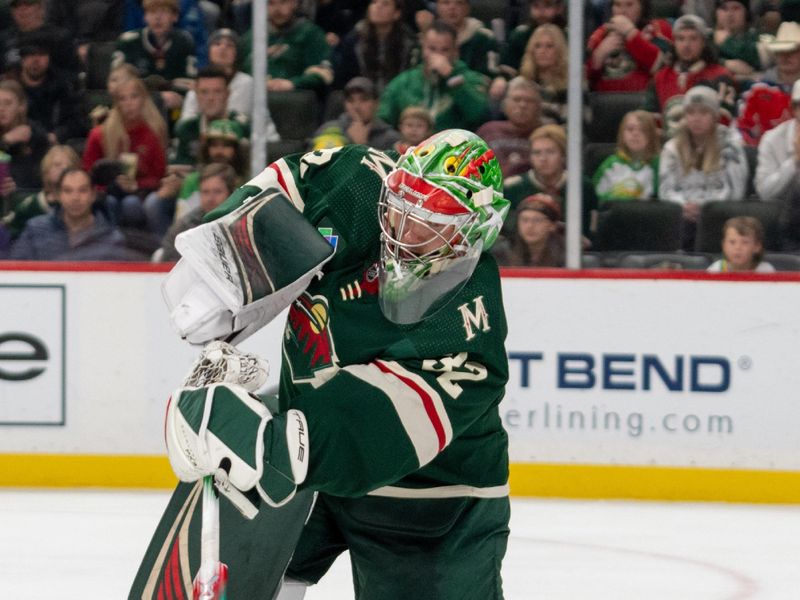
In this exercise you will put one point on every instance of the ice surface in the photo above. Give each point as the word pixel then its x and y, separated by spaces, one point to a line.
pixel 87 544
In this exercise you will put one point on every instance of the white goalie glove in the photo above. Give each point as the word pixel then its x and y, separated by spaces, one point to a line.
pixel 239 272
pixel 214 426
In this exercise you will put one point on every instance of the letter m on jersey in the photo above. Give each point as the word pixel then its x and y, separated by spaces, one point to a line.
pixel 475 318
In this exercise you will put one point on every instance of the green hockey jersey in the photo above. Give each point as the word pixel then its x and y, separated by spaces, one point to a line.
pixel 405 411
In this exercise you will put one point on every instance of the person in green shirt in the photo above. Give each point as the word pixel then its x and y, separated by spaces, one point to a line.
pixel 736 42
pixel 298 56
pixel 477 46
pixel 455 95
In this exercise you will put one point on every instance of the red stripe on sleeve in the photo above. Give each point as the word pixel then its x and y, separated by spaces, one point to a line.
pixel 427 402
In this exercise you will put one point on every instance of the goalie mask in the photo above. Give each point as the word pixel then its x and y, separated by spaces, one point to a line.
pixel 439 209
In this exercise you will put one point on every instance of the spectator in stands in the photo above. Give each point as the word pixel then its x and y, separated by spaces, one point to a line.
pixel 299 55
pixel 631 173
pixel 134 131
pixel 358 123
pixel 217 182
pixel 778 173
pixel 626 51
pixel 212 100
pixel 742 247
pixel 57 160
pixel 191 19
pixel 510 138
pixel 538 236
pixel 694 63
pixel 415 126
pixel 735 40
pixel 75 230
pixel 30 16
pixel 548 175
pixel 223 54
pixel 23 140
pixel 54 101
pixel 163 55
pixel 222 142
pixel 379 47
pixel 87 21
pixel 541 12
pixel 545 64
pixel 477 46
pixel 454 94
pixel 768 102
pixel 704 161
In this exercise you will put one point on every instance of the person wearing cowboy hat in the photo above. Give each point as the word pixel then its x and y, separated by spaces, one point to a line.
pixel 768 102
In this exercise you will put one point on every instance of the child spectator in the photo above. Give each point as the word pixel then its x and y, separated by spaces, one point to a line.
pixel 358 123
pixel 626 51
pixel 538 236
pixel 164 56
pixel 631 173
pixel 379 47
pixel 57 160
pixel 415 126
pixel 742 247
pixel 23 140
pixel 704 161
pixel 135 134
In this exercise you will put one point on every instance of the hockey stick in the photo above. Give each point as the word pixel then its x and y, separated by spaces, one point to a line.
pixel 212 577
pixel 221 362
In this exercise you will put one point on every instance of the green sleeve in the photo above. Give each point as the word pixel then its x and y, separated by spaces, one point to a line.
pixel 470 97
pixel 389 109
pixel 185 133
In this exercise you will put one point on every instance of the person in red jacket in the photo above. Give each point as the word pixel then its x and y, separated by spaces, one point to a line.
pixel 694 63
pixel 625 52
pixel 134 134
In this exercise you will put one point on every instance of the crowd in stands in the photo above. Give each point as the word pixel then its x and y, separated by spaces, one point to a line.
pixel 123 122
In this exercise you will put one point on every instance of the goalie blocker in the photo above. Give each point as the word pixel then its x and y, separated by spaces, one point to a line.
pixel 238 272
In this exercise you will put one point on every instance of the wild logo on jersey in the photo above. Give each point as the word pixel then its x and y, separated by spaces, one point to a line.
pixel 313 356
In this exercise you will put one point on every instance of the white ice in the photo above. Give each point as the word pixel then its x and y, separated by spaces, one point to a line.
pixel 74 545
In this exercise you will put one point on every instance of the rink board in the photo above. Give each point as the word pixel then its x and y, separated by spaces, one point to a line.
pixel 622 384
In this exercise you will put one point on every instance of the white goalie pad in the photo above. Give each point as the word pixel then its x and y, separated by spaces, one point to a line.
pixel 239 272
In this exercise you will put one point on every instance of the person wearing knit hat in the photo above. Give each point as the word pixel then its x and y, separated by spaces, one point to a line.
pixel 694 63
pixel 736 41
pixel 703 162
pixel 538 237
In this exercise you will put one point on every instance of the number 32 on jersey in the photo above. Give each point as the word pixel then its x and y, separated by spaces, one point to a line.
pixel 455 369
